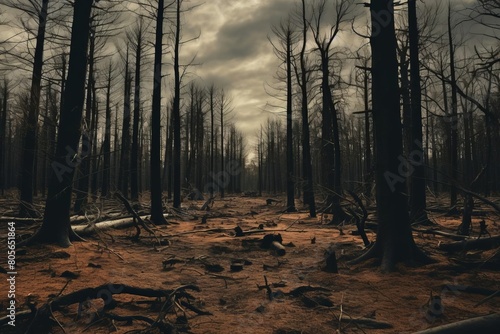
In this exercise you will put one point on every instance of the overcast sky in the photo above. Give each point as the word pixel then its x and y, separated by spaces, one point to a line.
pixel 235 52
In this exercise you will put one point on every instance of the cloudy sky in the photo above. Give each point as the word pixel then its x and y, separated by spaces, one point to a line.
pixel 235 52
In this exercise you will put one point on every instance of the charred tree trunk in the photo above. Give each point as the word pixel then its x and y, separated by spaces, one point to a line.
pixel 156 193
pixel 124 174
pixel 3 137
pixel 394 241
pixel 221 187
pixel 306 142
pixel 454 117
pixel 416 154
pixel 290 184
pixel 212 135
pixel 176 111
pixel 84 168
pixel 56 224
pixel 107 140
pixel 331 145
pixel 134 161
pixel 28 173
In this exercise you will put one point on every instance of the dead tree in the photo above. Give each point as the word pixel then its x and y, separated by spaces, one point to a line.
pixel 30 135
pixel 394 241
pixel 56 224
pixel 330 154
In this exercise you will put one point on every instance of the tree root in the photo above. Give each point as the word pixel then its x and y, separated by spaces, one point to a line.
pixel 41 321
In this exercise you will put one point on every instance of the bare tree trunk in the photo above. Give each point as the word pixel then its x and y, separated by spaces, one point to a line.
pixel 221 190
pixel 56 224
pixel 394 241
pixel 107 140
pixel 454 116
pixel 156 193
pixel 290 184
pixel 176 111
pixel 306 141
pixel 134 161
pixel 125 145
pixel 3 137
pixel 416 154
pixel 29 143
pixel 84 167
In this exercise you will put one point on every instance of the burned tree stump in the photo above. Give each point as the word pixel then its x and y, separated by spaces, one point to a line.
pixel 273 242
pixel 330 265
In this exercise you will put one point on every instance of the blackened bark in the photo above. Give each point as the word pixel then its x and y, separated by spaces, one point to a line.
pixel 454 117
pixel 176 112
pixel 84 168
pixel 56 224
pixel 134 187
pixel 306 142
pixel 29 142
pixel 156 193
pixel 124 173
pixel 416 155
pixel 3 132
pixel 330 141
pixel 290 184
pixel 107 140
pixel 221 187
pixel 394 241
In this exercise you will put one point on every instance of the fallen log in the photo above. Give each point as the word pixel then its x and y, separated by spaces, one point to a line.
pixel 441 233
pixel 486 243
pixel 365 322
pixel 487 324
pixel 279 248
pixel 470 289
pixel 87 230
pixel 274 242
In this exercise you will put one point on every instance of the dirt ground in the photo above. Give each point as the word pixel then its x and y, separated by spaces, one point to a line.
pixel 238 300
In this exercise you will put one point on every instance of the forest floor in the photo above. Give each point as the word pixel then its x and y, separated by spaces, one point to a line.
pixel 193 252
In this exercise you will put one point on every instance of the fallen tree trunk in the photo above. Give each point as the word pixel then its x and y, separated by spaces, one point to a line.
pixel 87 230
pixel 470 289
pixel 485 243
pixel 365 322
pixel 487 324
pixel 441 233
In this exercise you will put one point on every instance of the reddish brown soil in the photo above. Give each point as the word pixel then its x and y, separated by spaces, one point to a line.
pixel 234 299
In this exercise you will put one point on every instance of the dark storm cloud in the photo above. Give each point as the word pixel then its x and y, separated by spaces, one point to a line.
pixel 245 37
